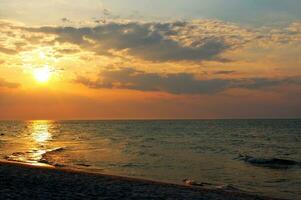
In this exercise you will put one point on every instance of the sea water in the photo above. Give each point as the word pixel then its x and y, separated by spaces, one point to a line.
pixel 257 156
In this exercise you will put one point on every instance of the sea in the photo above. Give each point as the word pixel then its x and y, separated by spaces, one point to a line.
pixel 254 156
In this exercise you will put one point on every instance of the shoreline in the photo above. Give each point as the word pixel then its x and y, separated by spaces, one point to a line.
pixel 24 181
pixel 84 172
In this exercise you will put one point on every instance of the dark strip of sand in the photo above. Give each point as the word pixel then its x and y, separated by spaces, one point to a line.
pixel 19 181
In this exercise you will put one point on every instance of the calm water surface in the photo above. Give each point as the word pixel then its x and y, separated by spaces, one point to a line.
pixel 201 150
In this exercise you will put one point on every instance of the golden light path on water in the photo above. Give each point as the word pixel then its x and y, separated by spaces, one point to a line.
pixel 63 144
pixel 38 141
pixel 42 147
pixel 40 131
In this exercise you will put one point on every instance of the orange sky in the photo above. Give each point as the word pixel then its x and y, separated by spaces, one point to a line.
pixel 129 68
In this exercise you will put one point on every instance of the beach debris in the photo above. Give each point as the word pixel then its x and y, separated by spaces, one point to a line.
pixel 227 187
pixel 194 183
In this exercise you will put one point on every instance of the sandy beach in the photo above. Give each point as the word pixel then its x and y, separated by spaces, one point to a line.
pixel 19 181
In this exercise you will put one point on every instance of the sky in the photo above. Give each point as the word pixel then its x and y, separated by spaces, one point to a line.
pixel 150 59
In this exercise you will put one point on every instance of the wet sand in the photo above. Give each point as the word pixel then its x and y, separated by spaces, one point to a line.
pixel 19 181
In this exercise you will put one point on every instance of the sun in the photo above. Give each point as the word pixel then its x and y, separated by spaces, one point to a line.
pixel 42 75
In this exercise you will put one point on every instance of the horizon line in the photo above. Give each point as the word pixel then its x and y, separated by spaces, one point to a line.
pixel 149 119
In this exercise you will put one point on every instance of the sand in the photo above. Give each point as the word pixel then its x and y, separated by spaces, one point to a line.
pixel 19 181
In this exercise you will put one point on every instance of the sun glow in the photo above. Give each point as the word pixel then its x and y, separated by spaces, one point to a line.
pixel 42 75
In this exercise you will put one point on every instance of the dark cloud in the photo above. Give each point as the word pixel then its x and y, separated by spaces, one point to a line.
pixel 67 51
pixel 100 21
pixel 106 12
pixel 180 83
pixel 4 83
pixel 224 72
pixel 8 51
pixel 66 20
pixel 151 41
pixel 200 40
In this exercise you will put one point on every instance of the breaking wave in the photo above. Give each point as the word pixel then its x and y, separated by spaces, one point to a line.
pixel 274 163
pixel 49 157
pixel 37 156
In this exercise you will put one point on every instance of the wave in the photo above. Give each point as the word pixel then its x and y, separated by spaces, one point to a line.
pixel 49 157
pixel 16 156
pixel 36 156
pixel 54 157
pixel 275 163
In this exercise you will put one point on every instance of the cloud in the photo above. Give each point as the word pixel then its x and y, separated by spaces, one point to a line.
pixel 192 40
pixel 180 83
pixel 4 83
pixel 224 72
pixel 280 36
pixel 106 12
pixel 15 40
pixel 66 20
pixel 8 51
pixel 169 41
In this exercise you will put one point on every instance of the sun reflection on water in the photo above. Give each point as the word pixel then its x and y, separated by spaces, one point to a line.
pixel 35 143
pixel 40 135
pixel 40 131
